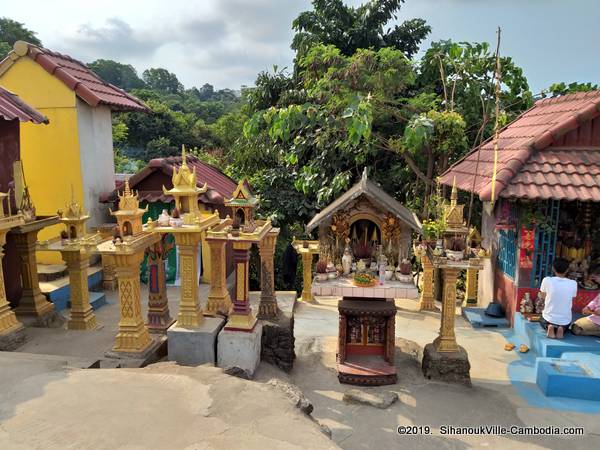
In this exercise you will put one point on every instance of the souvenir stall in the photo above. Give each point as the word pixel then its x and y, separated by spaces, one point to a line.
pixel 364 244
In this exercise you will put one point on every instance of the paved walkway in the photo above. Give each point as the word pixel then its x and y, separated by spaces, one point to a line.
pixel 46 404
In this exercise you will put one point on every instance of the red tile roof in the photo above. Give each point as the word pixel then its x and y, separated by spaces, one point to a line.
pixel 13 108
pixel 220 186
pixel 77 76
pixel 550 151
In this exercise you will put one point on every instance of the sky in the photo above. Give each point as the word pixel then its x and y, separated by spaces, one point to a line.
pixel 228 42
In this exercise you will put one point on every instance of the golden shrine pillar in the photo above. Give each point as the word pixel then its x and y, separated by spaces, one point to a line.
pixel 241 317
pixel 307 277
pixel 306 249
pixel 427 301
pixel 133 336
pixel 12 332
pixel 446 341
pixel 159 317
pixel 190 311
pixel 32 302
pixel 471 287
pixel 267 308
pixel 82 315
pixel 219 300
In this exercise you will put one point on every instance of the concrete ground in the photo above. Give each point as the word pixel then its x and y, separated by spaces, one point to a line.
pixel 46 404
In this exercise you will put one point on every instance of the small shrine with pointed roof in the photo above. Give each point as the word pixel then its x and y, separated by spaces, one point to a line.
pixel 242 204
pixel 74 218
pixel 129 215
pixel 454 213
pixel 185 191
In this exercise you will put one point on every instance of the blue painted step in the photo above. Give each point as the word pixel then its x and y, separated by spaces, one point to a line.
pixel 532 334
pixel 574 375
pixel 478 319
pixel 61 295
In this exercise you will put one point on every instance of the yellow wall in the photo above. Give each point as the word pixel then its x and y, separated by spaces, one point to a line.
pixel 50 153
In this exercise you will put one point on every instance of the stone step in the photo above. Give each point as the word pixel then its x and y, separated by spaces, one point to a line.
pixel 59 291
pixel 51 272
pixel 69 361
pixel 573 375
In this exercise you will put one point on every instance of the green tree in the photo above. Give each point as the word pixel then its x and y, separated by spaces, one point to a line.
pixel 121 75
pixel 563 88
pixel 12 31
pixel 463 76
pixel 4 49
pixel 163 81
pixel 320 145
pixel 348 28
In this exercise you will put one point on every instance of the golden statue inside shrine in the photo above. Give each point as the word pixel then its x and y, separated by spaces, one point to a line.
pixel 185 191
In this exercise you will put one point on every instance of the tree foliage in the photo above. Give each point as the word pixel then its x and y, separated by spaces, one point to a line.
pixel 349 29
pixel 12 31
pixel 163 81
pixel 563 88
pixel 121 75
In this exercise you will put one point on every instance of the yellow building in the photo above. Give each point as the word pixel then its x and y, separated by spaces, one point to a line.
pixel 75 150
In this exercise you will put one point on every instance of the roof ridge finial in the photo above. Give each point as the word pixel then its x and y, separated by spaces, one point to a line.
pixel 127 191
pixel 183 157
pixel 454 194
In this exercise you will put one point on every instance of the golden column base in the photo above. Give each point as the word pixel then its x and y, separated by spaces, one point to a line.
pixel 82 314
pixel 446 342
pixel 190 311
pixel 427 301
pixel 307 278
pixel 471 288
pixel 241 317
pixel 267 308
pixel 33 302
pixel 133 336
pixel 219 300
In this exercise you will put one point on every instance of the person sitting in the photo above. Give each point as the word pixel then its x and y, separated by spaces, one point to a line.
pixel 590 325
pixel 558 292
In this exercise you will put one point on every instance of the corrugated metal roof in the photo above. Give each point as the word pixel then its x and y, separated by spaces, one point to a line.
pixel 76 76
pixel 550 151
pixel 13 108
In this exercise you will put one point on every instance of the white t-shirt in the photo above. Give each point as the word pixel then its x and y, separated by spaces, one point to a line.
pixel 559 299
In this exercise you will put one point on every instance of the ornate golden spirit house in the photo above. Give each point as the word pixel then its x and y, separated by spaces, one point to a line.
pixel 133 338
pixel 188 236
pixel 444 358
pixel 243 231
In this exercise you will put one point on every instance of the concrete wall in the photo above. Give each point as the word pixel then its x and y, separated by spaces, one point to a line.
pixel 96 158
pixel 50 153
